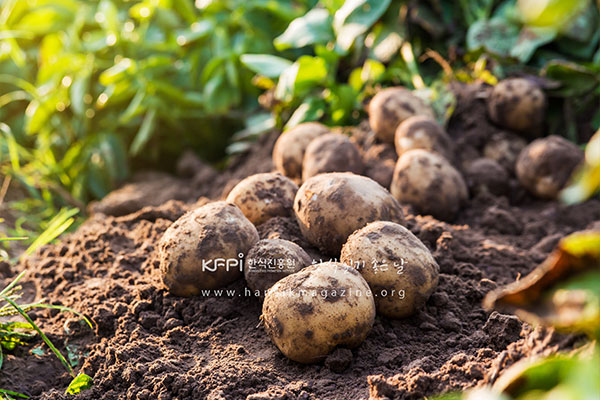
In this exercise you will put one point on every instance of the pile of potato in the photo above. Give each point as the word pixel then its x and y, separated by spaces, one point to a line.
pixel 377 265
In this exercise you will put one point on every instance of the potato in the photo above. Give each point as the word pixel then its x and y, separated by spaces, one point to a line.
pixel 264 196
pixel 310 313
pixel 485 175
pixel 389 107
pixel 270 260
pixel 546 164
pixel 429 183
pixel 204 248
pixel 399 269
pixel 289 148
pixel 331 152
pixel 329 207
pixel 380 160
pixel 504 148
pixel 518 104
pixel 422 132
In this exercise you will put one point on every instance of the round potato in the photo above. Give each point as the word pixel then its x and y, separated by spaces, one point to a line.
pixel 423 132
pixel 399 269
pixel 389 107
pixel 518 104
pixel 310 313
pixel 545 165
pixel 288 152
pixel 485 175
pixel 204 249
pixel 429 183
pixel 270 260
pixel 264 196
pixel 504 148
pixel 331 152
pixel 329 207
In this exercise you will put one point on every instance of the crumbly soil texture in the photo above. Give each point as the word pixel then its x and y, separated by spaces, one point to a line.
pixel 149 344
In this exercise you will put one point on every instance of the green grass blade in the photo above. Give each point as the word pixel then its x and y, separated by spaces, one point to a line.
pixel 42 334
pixel 62 309
pixel 60 223
pixel 12 284
pixel 15 394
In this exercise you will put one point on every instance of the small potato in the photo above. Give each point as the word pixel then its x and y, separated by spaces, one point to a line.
pixel 380 160
pixel 504 148
pixel 389 107
pixel 422 132
pixel 485 175
pixel 398 267
pixel 310 313
pixel 270 260
pixel 331 152
pixel 518 104
pixel 329 207
pixel 546 164
pixel 289 148
pixel 264 196
pixel 204 248
pixel 429 183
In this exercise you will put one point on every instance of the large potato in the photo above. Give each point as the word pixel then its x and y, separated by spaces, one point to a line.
pixel 389 107
pixel 310 313
pixel 423 132
pixel 429 183
pixel 545 165
pixel 398 267
pixel 204 248
pixel 288 152
pixel 270 260
pixel 518 104
pixel 331 152
pixel 264 196
pixel 329 207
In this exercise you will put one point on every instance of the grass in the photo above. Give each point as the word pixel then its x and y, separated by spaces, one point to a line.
pixel 16 333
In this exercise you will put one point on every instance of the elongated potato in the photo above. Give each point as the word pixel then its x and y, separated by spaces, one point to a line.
pixel 310 313
pixel 329 207
pixel 204 249
pixel 264 196
pixel 399 269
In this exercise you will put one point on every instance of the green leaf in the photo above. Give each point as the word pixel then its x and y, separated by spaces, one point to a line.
pixel 575 79
pixel 144 133
pixel 14 394
pixel 312 109
pixel 117 72
pixel 80 383
pixel 312 28
pixel 497 36
pixel 355 18
pixel 265 64
pixel 57 225
pixel 529 40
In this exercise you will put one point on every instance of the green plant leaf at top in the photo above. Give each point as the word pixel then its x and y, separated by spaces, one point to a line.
pixel 265 64
pixel 312 28
pixel 497 36
pixel 355 17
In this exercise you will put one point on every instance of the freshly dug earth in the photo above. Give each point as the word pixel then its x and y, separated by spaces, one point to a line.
pixel 148 344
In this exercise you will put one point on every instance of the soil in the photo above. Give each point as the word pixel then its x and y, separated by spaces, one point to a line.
pixel 148 344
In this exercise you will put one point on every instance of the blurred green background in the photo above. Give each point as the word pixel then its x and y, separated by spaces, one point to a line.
pixel 93 90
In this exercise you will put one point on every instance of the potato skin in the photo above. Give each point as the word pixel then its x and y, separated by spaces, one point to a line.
pixel 329 207
pixel 216 230
pixel 429 183
pixel 546 164
pixel 389 107
pixel 380 160
pixel 392 259
pixel 331 152
pixel 310 313
pixel 504 148
pixel 264 196
pixel 518 104
pixel 260 275
pixel 288 152
pixel 485 175
pixel 423 132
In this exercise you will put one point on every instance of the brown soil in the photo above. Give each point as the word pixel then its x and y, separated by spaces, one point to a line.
pixel 148 344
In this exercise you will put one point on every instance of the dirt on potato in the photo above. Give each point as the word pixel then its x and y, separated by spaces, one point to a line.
pixel 148 344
